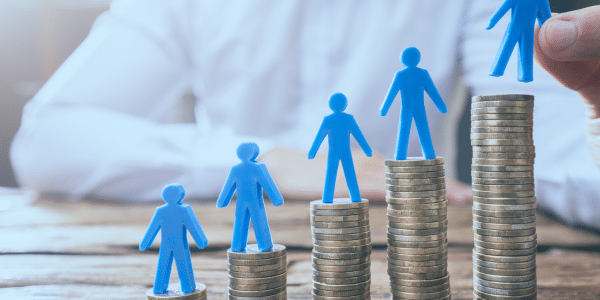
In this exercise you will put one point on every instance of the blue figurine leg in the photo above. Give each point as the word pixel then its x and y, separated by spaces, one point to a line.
pixel 503 56
pixel 241 225
pixel 262 232
pixel 333 162
pixel 185 271
pixel 424 134
pixel 403 134
pixel 163 271
pixel 351 181
pixel 526 57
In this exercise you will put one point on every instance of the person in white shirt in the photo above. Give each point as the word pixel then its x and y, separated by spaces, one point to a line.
pixel 263 71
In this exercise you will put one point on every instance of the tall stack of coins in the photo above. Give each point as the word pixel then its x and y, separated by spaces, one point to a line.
pixel 503 197
pixel 257 275
pixel 417 229
pixel 341 258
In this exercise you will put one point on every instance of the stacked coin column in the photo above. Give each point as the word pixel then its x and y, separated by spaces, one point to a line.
pixel 417 229
pixel 257 275
pixel 503 197
pixel 341 258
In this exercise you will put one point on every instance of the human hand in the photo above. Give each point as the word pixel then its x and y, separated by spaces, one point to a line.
pixel 568 47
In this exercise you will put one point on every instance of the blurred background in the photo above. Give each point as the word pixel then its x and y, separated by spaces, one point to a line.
pixel 36 36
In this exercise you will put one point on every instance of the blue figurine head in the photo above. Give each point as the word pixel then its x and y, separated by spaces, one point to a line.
pixel 173 193
pixel 411 57
pixel 338 102
pixel 247 151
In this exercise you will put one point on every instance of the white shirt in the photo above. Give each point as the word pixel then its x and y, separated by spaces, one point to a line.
pixel 263 71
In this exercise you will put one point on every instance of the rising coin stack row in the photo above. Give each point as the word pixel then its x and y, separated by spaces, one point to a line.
pixel 341 257
pixel 417 229
pixel 504 265
pixel 257 275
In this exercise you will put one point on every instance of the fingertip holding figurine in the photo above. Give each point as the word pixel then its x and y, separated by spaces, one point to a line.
pixel 339 125
pixel 174 219
pixel 250 178
pixel 521 29
pixel 412 82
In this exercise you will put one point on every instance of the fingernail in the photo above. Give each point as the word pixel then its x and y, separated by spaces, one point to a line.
pixel 560 35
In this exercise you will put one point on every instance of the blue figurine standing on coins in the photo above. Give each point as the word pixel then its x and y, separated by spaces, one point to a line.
pixel 249 178
pixel 412 82
pixel 338 126
pixel 521 30
pixel 174 219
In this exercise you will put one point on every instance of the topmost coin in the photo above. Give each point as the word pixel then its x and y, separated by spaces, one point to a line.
pixel 414 162
pixel 511 97
pixel 338 203
pixel 252 252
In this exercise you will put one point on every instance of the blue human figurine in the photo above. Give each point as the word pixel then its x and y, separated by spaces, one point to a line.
pixel 250 178
pixel 338 126
pixel 521 30
pixel 412 83
pixel 174 219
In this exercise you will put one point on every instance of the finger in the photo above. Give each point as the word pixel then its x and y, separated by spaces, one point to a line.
pixel 572 36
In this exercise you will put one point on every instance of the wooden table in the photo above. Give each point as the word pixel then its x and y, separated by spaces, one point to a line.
pixel 53 248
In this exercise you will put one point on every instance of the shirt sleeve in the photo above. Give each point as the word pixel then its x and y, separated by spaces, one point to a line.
pixel 96 127
pixel 566 177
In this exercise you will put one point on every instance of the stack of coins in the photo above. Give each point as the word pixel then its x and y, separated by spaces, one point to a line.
pixel 417 229
pixel 174 292
pixel 503 197
pixel 257 275
pixel 341 258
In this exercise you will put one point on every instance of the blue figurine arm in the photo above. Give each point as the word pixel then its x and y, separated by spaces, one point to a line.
pixel 192 224
pixel 360 138
pixel 391 95
pixel 227 191
pixel 434 94
pixel 267 183
pixel 544 11
pixel 502 10
pixel 151 233
pixel 318 140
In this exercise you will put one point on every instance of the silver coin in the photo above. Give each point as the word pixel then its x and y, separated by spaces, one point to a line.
pixel 424 194
pixel 504 285
pixel 349 280
pixel 415 188
pixel 501 175
pixel 503 161
pixel 257 274
pixel 501 110
pixel 252 252
pixel 280 296
pixel 417 251
pixel 418 207
pixel 505 201
pixel 419 296
pixel 415 175
pixel 348 274
pixel 482 117
pixel 348 224
pixel 349 249
pixel 504 233
pixel 503 97
pixel 418 257
pixel 421 290
pixel 414 162
pixel 427 219
pixel 504 155
pixel 413 182
pixel 262 293
pixel 494 226
pixel 348 268
pixel 519 194
pixel 504 279
pixel 419 232
pixel 418 226
pixel 505 292
pixel 336 294
pixel 501 239
pixel 414 276
pixel 340 256
pixel 501 168
pixel 430 244
pixel 339 212
pixel 501 123
pixel 504 214
pixel 340 262
pixel 503 187
pixel 421 283
pixel 174 292
pixel 426 238
pixel 342 237
pixel 346 287
pixel 495 265
pixel 422 213
pixel 503 207
pixel 501 103
pixel 350 230
pixel 407 263
pixel 501 135
pixel 485 296
pixel 521 252
pixel 496 220
pixel 418 270
pixel 263 280
pixel 252 269
pixel 501 181
pixel 418 169
pixel 257 262
pixel 258 287
pixel 413 201
pixel 504 149
pixel 350 218
pixel 338 203
pixel 506 246
pixel 504 272
pixel 366 295
pixel 502 142
pixel 503 259
pixel 350 243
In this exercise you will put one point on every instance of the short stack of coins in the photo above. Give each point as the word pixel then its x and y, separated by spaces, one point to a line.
pixel 341 257
pixel 504 265
pixel 257 275
pixel 417 229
